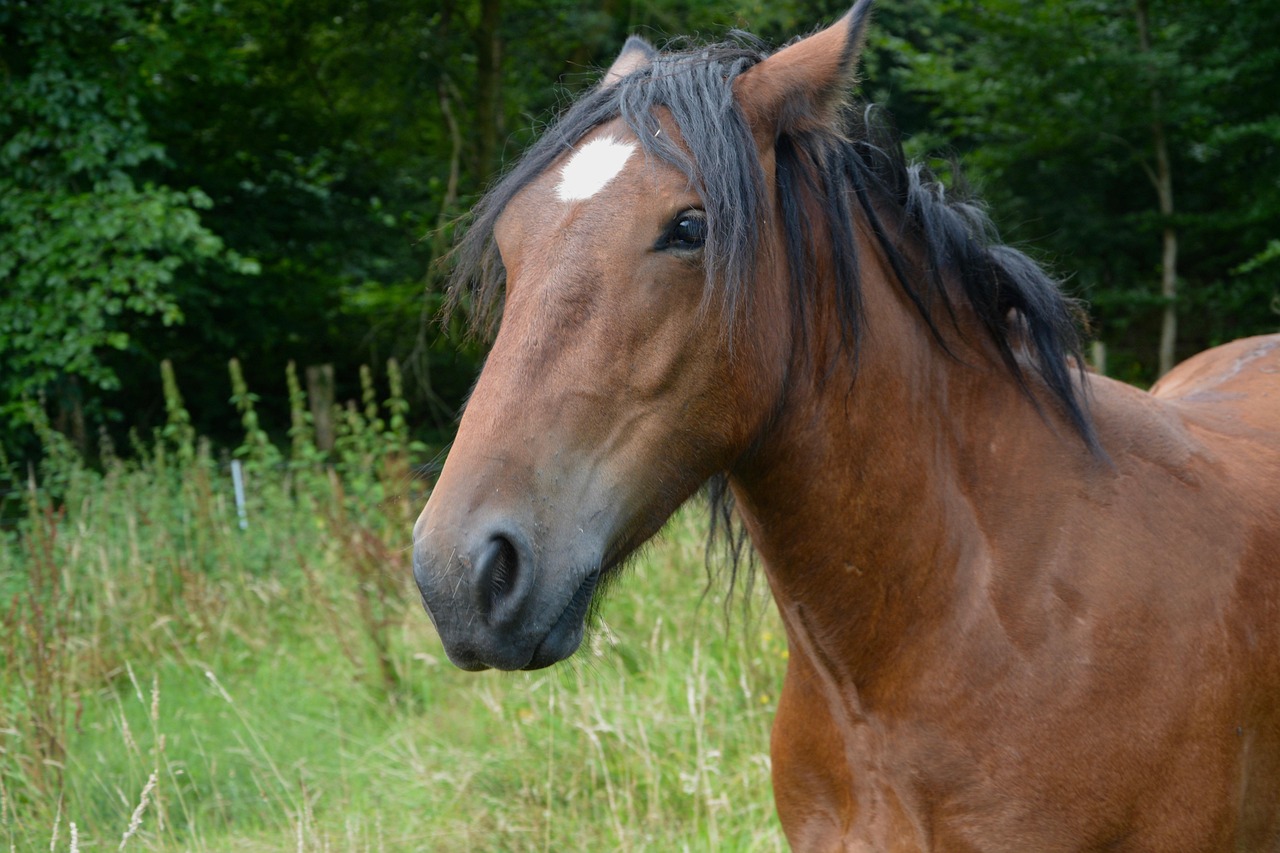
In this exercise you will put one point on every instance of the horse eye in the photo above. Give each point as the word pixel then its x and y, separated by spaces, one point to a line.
pixel 688 232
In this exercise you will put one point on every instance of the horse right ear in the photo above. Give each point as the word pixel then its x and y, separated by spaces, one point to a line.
pixel 804 84
pixel 636 54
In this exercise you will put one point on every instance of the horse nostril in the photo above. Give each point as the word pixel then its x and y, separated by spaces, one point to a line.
pixel 496 573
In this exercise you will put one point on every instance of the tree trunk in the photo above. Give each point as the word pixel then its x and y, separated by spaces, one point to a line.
pixel 1162 178
pixel 444 91
pixel 489 122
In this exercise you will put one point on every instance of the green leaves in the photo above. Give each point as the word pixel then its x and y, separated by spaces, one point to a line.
pixel 75 264
pixel 149 150
pixel 84 244
pixel 1053 107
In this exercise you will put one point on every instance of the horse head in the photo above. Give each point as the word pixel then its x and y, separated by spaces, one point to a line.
pixel 638 255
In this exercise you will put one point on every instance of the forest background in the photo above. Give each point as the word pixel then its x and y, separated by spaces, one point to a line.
pixel 277 180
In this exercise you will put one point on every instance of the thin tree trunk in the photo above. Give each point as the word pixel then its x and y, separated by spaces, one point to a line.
pixel 444 91
pixel 1162 178
pixel 488 42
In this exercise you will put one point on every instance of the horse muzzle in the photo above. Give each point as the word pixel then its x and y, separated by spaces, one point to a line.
pixel 499 603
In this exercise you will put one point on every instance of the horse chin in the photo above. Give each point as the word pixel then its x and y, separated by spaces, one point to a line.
pixel 566 634
pixel 509 659
pixel 561 643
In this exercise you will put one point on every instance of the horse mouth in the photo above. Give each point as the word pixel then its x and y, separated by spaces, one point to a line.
pixel 566 634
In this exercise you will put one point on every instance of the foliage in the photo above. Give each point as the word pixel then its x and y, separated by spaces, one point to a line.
pixel 148 151
pixel 1051 106
pixel 87 245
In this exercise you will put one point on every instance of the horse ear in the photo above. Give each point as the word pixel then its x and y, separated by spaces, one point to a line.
pixel 804 84
pixel 636 54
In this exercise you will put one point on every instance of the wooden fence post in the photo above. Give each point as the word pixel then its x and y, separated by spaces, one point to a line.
pixel 320 397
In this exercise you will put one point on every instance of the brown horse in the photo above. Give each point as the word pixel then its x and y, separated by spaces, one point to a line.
pixel 1028 609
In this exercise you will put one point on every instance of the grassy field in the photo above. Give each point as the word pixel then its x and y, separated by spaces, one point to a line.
pixel 174 681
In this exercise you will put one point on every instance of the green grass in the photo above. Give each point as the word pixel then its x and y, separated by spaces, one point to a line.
pixel 279 688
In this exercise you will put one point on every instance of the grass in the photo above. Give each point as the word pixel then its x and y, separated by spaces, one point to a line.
pixel 171 681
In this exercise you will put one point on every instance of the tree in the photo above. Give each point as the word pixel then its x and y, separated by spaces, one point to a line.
pixel 1080 120
pixel 148 150
pixel 86 245
pixel 1161 177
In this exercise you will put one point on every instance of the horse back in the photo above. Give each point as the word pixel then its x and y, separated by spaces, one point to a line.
pixel 1239 382
pixel 1228 400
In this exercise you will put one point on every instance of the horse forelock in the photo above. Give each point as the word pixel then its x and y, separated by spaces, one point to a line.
pixel 693 87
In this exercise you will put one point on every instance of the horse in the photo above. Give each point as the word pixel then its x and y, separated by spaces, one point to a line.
pixel 1028 608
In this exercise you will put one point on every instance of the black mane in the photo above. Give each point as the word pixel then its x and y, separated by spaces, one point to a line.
pixel 856 169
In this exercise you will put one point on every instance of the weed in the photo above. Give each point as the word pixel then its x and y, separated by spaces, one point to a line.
pixel 307 703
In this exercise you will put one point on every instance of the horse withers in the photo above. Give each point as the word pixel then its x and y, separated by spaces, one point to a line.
pixel 1028 609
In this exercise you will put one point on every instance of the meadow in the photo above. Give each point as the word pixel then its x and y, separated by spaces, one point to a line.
pixel 179 674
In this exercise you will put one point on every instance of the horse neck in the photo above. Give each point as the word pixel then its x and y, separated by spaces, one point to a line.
pixel 875 496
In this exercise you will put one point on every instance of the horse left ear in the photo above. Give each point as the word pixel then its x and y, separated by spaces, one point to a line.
pixel 636 54
pixel 804 84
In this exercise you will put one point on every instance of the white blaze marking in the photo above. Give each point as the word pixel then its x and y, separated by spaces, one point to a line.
pixel 592 167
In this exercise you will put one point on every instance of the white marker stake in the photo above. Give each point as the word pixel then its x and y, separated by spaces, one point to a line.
pixel 237 479
pixel 592 168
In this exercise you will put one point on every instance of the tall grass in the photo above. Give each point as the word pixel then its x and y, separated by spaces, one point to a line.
pixel 173 681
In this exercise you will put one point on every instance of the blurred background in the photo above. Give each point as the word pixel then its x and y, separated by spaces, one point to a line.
pixel 277 180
